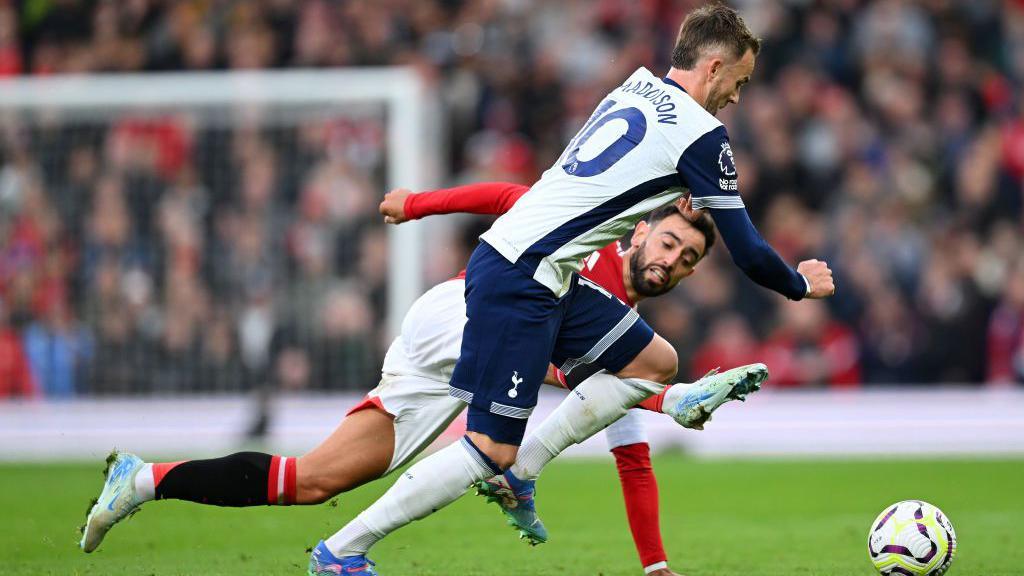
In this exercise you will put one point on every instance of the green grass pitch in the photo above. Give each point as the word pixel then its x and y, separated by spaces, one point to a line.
pixel 722 518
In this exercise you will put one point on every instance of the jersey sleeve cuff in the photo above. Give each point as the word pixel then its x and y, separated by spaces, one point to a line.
pixel 721 202
pixel 409 207
pixel 806 283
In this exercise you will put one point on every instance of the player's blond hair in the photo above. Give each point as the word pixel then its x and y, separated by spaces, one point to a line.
pixel 709 28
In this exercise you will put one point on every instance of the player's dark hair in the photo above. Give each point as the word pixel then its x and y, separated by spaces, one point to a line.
pixel 710 27
pixel 704 224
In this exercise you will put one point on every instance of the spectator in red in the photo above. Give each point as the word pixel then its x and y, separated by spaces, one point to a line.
pixel 810 348
pixel 1006 332
pixel 730 342
pixel 15 376
pixel 10 51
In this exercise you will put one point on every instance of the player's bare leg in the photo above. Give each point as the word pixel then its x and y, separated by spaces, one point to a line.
pixel 658 363
pixel 504 455
pixel 603 399
pixel 596 403
pixel 593 405
pixel 358 451
pixel 581 414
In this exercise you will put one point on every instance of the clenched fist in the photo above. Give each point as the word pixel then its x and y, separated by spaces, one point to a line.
pixel 393 206
pixel 819 275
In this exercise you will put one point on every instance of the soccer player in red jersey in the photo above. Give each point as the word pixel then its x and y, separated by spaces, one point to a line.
pixel 630 279
pixel 411 407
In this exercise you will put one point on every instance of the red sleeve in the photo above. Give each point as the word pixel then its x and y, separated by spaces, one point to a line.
pixel 486 198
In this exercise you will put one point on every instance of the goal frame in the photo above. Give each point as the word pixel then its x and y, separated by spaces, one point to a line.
pixel 412 116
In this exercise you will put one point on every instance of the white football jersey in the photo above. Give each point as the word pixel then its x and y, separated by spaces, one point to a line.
pixel 644 146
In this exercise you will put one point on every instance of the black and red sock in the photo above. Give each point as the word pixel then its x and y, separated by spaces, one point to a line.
pixel 241 479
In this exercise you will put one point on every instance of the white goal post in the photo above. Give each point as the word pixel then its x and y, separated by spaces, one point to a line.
pixel 412 118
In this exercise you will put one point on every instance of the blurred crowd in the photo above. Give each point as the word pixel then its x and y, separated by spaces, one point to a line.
pixel 162 255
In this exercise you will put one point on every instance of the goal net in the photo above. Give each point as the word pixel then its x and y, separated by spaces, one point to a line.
pixel 210 232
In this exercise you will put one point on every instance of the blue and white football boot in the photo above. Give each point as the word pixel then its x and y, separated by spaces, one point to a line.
pixel 516 499
pixel 117 500
pixel 323 563
pixel 692 405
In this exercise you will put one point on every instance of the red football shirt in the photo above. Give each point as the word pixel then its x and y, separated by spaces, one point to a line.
pixel 603 267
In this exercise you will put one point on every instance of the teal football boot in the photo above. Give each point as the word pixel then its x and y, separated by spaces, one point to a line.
pixel 516 499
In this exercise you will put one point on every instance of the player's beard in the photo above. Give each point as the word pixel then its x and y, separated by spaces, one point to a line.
pixel 715 102
pixel 638 275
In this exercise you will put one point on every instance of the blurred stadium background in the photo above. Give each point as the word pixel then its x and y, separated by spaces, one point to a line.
pixel 185 239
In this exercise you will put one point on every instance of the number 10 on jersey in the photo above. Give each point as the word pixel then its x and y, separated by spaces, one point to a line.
pixel 634 134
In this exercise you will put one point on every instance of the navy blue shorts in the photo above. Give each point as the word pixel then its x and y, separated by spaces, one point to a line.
pixel 515 327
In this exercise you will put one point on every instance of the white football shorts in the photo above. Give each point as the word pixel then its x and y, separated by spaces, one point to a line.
pixel 414 379
pixel 418 366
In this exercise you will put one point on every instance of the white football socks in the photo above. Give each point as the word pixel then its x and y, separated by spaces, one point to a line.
pixel 431 484
pixel 673 395
pixel 145 485
pixel 590 407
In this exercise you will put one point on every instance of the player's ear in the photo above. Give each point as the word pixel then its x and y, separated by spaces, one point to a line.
pixel 639 234
pixel 715 66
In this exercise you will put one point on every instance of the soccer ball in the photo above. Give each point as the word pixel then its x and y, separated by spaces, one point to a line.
pixel 911 538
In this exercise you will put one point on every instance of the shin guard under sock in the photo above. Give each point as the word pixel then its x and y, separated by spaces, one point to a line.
pixel 241 479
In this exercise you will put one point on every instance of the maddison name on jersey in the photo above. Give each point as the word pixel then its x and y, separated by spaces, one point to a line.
pixel 658 95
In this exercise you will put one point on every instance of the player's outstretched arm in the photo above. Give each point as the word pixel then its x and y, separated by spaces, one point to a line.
pixel 492 198
pixel 763 265
pixel 708 169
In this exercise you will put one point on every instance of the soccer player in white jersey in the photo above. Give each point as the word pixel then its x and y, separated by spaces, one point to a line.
pixel 649 141
pixel 411 406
